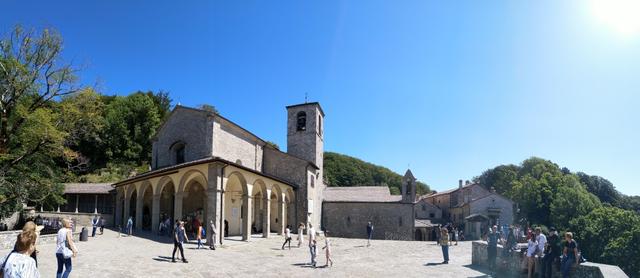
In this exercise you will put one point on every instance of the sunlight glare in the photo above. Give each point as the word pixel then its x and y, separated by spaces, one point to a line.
pixel 623 16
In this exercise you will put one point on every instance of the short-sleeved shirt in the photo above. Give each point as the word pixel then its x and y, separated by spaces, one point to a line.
pixel 542 240
pixel 19 265
pixel 287 233
pixel 492 239
pixel 571 246
pixel 180 234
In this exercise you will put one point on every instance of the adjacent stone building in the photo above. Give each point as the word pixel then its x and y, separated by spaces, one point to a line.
pixel 347 210
pixel 206 167
pixel 473 208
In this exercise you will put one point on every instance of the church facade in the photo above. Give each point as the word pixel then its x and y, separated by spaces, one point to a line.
pixel 206 167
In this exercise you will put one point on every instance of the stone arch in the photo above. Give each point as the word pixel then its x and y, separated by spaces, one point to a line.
pixel 418 235
pixel 166 189
pixel 190 176
pixel 164 181
pixel 145 193
pixel 276 202
pixel 235 191
pixel 258 208
pixel 193 189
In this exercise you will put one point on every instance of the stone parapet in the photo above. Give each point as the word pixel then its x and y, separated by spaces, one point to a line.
pixel 8 239
pixel 512 264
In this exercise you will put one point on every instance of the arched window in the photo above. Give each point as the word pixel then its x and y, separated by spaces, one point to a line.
pixel 312 181
pixel 179 149
pixel 320 124
pixel 301 122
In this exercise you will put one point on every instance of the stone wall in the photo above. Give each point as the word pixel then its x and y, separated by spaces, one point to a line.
pixel 8 239
pixel 425 210
pixel 234 144
pixel 513 264
pixel 494 201
pixel 11 221
pixel 81 219
pixel 393 221
pixel 190 126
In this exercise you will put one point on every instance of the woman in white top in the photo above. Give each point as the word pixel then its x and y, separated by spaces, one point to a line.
pixel 19 262
pixel 287 237
pixel 300 231
pixel 327 249
pixel 532 250
pixel 63 240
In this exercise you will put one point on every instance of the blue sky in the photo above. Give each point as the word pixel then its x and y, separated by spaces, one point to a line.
pixel 450 88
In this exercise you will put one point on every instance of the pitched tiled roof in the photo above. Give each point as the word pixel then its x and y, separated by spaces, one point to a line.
pixel 368 194
pixel 87 188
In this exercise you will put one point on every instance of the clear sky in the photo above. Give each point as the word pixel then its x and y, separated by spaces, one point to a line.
pixel 450 88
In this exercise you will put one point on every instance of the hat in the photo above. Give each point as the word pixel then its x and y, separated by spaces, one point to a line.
pixel 552 229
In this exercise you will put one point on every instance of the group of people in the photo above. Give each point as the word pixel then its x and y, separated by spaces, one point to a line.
pixel 311 232
pixel 22 260
pixel 540 249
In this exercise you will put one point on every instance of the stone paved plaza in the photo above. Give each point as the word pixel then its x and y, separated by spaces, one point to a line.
pixel 110 256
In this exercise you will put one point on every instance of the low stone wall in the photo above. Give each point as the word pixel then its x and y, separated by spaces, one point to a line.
pixel 81 219
pixel 513 264
pixel 8 239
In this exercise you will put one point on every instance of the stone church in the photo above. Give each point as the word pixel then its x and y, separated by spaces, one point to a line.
pixel 206 167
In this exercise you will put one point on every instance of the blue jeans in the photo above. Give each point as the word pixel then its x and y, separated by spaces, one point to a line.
pixel 567 262
pixel 67 266
pixel 312 250
pixel 445 252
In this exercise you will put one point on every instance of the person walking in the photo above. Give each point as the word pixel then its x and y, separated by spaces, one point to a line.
pixel 551 252
pixel 369 233
pixel 287 237
pixel 300 232
pixel 199 232
pixel 312 244
pixel 570 254
pixel 455 235
pixel 444 243
pixel 94 224
pixel 212 243
pixel 64 254
pixel 179 237
pixel 102 224
pixel 130 226
pixel 19 263
pixel 492 246
pixel 327 248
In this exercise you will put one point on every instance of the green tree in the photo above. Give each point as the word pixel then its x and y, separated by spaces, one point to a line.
pixel 32 77
pixel 610 235
pixel 600 187
pixel 500 178
pixel 571 199
pixel 131 122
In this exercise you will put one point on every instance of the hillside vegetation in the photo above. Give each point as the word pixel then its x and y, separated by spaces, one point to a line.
pixel 343 170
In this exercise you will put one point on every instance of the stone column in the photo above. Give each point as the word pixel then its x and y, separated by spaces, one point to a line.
pixel 281 208
pixel 214 190
pixel 127 212
pixel 246 217
pixel 118 216
pixel 58 209
pixel 155 213
pixel 177 211
pixel 77 201
pixel 139 204
pixel 266 223
pixel 95 210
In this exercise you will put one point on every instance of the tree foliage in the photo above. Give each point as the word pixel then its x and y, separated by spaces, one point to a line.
pixel 342 170
pixel 610 235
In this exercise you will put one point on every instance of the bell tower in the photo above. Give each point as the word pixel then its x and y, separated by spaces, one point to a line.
pixel 305 140
pixel 408 187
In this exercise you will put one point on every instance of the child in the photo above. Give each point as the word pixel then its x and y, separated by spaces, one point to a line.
pixel 327 249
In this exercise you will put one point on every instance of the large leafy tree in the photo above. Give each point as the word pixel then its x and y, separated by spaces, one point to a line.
pixel 32 77
pixel 610 235
pixel 131 123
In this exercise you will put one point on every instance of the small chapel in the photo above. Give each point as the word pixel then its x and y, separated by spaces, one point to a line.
pixel 207 168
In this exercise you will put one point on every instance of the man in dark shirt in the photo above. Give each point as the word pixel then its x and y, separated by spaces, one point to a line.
pixel 492 246
pixel 551 252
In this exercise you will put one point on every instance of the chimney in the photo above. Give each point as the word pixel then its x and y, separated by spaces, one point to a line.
pixel 459 183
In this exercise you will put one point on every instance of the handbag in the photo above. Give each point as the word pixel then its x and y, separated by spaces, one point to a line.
pixel 66 251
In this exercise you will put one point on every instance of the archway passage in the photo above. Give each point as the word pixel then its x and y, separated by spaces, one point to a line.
pixel 194 206
pixel 132 205
pixel 418 236
pixel 167 206
pixel 233 206
pixel 147 203
pixel 275 218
